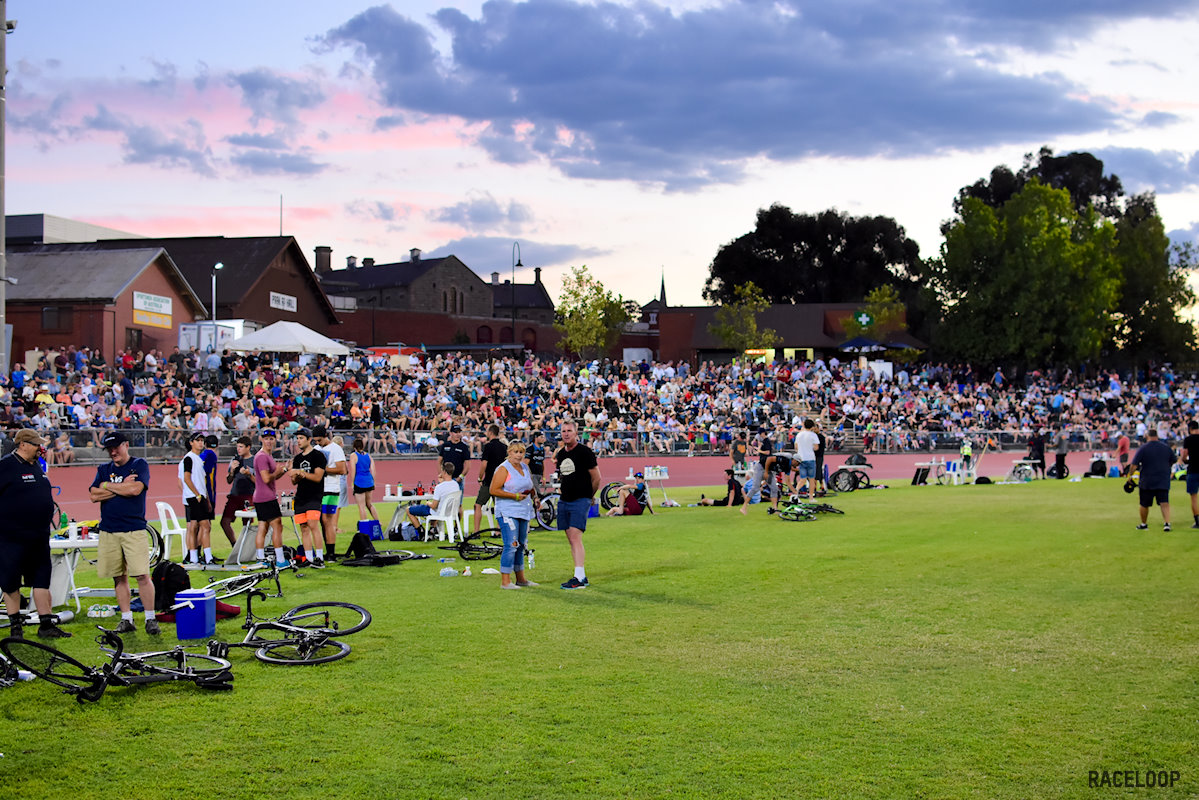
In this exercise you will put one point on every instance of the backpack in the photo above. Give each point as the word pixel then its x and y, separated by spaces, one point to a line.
pixel 360 546
pixel 169 579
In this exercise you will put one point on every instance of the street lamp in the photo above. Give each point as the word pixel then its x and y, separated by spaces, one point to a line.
pixel 215 267
pixel 515 263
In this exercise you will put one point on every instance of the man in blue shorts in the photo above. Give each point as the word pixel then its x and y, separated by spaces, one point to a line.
pixel 1154 459
pixel 579 472
pixel 1190 457
pixel 446 487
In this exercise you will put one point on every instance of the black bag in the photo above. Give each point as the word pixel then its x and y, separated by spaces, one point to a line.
pixel 372 560
pixel 360 547
pixel 169 579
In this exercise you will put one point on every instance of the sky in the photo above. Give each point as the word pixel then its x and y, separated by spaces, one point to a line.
pixel 636 138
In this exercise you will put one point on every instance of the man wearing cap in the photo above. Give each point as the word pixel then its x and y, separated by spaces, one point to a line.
pixel 198 509
pixel 120 488
pixel 27 507
pixel 335 469
pixel 308 474
pixel 457 453
pixel 266 499
pixel 633 499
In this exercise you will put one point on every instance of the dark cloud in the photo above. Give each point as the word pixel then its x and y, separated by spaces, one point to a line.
pixel 375 210
pixel 274 97
pixel 105 120
pixel 487 254
pixel 44 122
pixel 1160 119
pixel 263 141
pixel 1160 171
pixel 182 148
pixel 639 92
pixel 165 77
pixel 262 162
pixel 483 212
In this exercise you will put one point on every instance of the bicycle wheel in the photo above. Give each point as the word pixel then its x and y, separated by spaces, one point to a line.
pixel 547 511
pixel 238 584
pixel 610 494
pixel 155 543
pixel 50 664
pixel 405 555
pixel 328 617
pixel 182 663
pixel 843 481
pixel 479 547
pixel 825 508
pixel 294 653
pixel 1052 471
pixel 796 515
pixel 862 479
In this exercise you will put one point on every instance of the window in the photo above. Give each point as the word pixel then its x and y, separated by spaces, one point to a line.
pixel 445 302
pixel 483 334
pixel 506 335
pixel 57 318
pixel 462 304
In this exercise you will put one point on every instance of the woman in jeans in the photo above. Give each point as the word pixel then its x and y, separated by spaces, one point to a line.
pixel 511 487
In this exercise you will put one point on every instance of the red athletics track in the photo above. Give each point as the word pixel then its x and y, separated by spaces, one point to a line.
pixel 698 471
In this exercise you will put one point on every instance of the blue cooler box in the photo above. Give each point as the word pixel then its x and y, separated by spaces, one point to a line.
pixel 371 529
pixel 197 621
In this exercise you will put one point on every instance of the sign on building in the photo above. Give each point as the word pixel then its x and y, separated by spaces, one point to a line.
pixel 152 309
pixel 283 302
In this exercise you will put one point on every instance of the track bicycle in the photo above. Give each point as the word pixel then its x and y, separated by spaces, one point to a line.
pixel 478 546
pixel 301 636
pixel 797 510
pixel 88 684
pixel 241 583
pixel 610 495
pixel 547 510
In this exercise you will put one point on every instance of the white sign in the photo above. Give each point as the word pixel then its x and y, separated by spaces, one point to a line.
pixel 283 302
pixel 152 302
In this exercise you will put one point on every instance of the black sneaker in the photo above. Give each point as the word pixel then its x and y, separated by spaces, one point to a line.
pixel 16 632
pixel 52 631
pixel 125 626
pixel 210 562
pixel 152 627
pixel 575 583
pixel 1195 524
pixel 1167 528
pixel 318 563
pixel 1142 527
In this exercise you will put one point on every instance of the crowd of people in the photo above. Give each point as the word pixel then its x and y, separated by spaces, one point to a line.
pixel 74 397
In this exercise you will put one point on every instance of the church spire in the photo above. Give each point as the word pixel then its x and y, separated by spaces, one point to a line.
pixel 662 297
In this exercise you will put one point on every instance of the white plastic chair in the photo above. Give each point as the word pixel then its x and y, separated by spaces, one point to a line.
pixel 488 511
pixel 953 473
pixel 168 526
pixel 447 514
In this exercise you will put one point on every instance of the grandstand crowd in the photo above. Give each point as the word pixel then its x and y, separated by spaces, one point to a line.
pixel 73 397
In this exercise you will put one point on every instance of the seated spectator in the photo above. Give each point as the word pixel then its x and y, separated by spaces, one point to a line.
pixel 735 496
pixel 446 488
pixel 633 499
pixel 61 452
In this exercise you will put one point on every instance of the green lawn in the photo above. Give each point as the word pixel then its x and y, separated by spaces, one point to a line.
pixel 982 641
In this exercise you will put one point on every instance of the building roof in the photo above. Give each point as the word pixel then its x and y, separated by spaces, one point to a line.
pixel 380 276
pixel 73 276
pixel 39 228
pixel 246 260
pixel 527 295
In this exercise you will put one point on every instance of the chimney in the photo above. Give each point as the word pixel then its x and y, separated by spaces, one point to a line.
pixel 495 279
pixel 368 262
pixel 414 254
pixel 351 262
pixel 536 274
pixel 324 259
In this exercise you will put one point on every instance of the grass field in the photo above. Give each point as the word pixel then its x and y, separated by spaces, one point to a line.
pixel 941 642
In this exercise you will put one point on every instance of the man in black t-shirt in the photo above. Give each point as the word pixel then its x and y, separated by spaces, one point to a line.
pixel 240 478
pixel 457 453
pixel 1190 457
pixel 735 496
pixel 27 507
pixel 1154 459
pixel 579 472
pixel 495 452
pixel 535 457
pixel 308 474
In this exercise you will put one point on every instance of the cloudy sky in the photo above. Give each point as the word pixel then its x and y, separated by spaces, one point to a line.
pixel 634 137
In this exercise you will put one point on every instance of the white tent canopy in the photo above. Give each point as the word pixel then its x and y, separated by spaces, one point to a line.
pixel 288 337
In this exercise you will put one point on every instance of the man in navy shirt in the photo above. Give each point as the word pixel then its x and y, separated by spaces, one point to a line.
pixel 120 488
pixel 1154 459
pixel 26 507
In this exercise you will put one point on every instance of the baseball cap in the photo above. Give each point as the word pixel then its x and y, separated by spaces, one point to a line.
pixel 267 432
pixel 638 474
pixel 113 439
pixel 211 440
pixel 304 432
pixel 29 435
pixel 195 436
pixel 455 429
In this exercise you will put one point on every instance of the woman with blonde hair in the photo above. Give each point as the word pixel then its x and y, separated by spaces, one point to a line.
pixel 511 487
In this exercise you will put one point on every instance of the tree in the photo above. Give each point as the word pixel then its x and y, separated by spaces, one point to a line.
pixel 590 317
pixel 1081 174
pixel 737 322
pixel 1146 324
pixel 1033 281
pixel 884 316
pixel 825 258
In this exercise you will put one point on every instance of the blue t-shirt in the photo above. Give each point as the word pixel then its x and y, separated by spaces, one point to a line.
pixel 210 460
pixel 124 513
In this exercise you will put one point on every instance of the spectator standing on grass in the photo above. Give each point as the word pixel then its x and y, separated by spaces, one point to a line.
pixel 266 500
pixel 512 487
pixel 1061 446
pixel 580 475
pixel 1190 457
pixel 363 468
pixel 197 507
pixel 27 506
pixel 240 477
pixel 308 474
pixel 806 445
pixel 120 488
pixel 456 452
pixel 335 469
pixel 494 453
pixel 1123 449
pixel 1154 459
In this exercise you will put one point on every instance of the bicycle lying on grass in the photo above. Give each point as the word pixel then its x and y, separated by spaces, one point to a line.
pixel 803 510
pixel 88 684
pixel 297 637
pixel 478 546
pixel 241 583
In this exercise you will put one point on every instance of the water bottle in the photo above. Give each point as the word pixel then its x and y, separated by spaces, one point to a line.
pixel 387 490
pixel 466 572
pixel 25 675
pixel 399 490
pixel 532 560
pixel 444 560
pixel 447 572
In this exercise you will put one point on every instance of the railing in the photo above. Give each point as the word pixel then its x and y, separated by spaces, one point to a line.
pixel 169 444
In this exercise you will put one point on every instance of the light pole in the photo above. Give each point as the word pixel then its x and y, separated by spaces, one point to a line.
pixel 215 268
pixel 515 263
pixel 8 26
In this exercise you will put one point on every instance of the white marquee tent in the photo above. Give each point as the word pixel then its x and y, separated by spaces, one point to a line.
pixel 288 337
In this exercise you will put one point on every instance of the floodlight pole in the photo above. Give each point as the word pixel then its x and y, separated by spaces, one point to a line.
pixel 8 28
